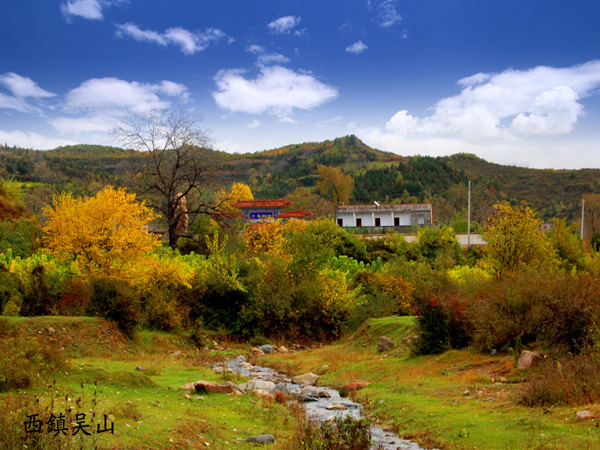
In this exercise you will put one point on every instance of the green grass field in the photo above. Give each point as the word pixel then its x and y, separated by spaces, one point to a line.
pixel 447 401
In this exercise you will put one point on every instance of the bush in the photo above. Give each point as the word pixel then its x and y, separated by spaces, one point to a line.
pixel 441 325
pixel 567 381
pixel 556 311
pixel 114 300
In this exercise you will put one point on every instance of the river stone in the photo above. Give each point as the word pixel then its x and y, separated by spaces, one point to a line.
pixel 324 394
pixel 323 369
pixel 253 385
pixel 310 390
pixel 256 351
pixel 528 359
pixel 266 348
pixel 283 349
pixel 336 407
pixel 51 331
pixel 240 359
pixel 262 439
pixel 385 344
pixel 212 387
pixel 306 379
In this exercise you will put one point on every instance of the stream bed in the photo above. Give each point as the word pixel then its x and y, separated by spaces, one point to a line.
pixel 322 403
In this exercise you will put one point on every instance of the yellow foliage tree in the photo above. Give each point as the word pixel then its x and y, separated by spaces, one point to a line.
pixel 237 193
pixel 514 239
pixel 105 233
pixel 335 184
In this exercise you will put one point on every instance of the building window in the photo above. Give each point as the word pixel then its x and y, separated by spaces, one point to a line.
pixel 396 221
pixel 341 222
pixel 377 222
pixel 359 222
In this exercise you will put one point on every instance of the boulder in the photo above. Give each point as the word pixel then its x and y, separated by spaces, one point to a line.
pixel 324 394
pixel 385 344
pixel 355 385
pixel 253 385
pixel 266 348
pixel 283 349
pixel 255 351
pixel 528 359
pixel 211 387
pixel 308 379
pixel 262 439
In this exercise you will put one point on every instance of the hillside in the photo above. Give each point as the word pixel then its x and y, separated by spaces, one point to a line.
pixel 379 176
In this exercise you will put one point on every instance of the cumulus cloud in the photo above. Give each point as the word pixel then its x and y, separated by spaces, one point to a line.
pixel 264 57
pixel 542 101
pixel 101 93
pixel 495 110
pixel 97 104
pixel 188 42
pixel 22 89
pixel 385 13
pixel 276 91
pixel 357 48
pixel 284 24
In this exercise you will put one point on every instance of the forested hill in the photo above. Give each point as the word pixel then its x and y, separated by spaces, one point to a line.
pixel 378 176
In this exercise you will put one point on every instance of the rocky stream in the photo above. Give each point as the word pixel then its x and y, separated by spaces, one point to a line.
pixel 322 403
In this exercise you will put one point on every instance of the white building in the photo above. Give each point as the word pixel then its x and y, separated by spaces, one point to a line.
pixel 384 215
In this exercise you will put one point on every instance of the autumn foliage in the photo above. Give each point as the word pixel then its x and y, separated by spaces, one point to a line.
pixel 105 233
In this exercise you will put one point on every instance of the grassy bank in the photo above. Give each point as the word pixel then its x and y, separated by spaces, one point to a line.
pixel 147 407
pixel 454 400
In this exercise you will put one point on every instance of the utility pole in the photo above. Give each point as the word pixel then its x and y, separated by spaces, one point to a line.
pixel 582 216
pixel 469 219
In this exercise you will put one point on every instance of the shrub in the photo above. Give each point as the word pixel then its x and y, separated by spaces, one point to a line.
pixel 556 311
pixel 441 325
pixel 571 380
pixel 114 300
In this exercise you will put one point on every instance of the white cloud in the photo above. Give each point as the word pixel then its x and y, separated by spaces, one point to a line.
pixel 22 88
pixel 99 103
pixel 84 125
pixel 187 41
pixel 512 111
pixel 264 58
pixel 107 93
pixel 254 124
pixel 386 14
pixel 87 9
pixel 276 91
pixel 27 139
pixel 357 48
pixel 284 25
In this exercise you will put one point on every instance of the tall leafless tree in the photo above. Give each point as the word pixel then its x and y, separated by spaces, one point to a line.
pixel 181 166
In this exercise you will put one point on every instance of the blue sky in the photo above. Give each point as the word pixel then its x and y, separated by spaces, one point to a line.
pixel 512 81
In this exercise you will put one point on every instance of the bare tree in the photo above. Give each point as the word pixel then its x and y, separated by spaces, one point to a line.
pixel 180 173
